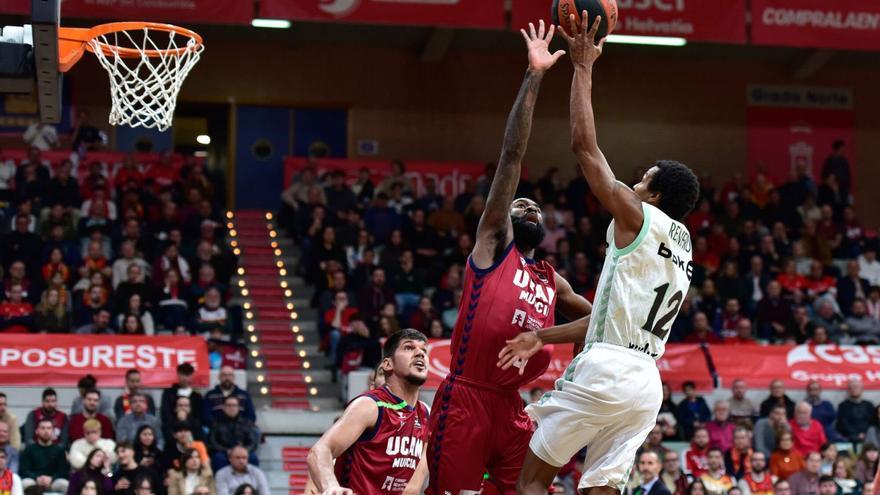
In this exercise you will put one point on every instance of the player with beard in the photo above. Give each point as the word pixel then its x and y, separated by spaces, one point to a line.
pixel 382 435
pixel 478 424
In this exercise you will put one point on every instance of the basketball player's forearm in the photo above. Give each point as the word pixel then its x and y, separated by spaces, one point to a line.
pixel 583 123
pixel 568 333
pixel 320 462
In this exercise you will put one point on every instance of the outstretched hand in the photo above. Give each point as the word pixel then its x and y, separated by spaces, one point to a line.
pixel 538 43
pixel 582 43
pixel 518 350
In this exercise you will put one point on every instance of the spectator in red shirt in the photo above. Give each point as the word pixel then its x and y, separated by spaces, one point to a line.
pixel 726 321
pixel 702 333
pixel 808 433
pixel 48 411
pixel 721 428
pixel 90 403
pixel 423 316
pixel 16 315
pixel 130 171
pixel 790 279
pixel 338 320
pixel 704 257
pixel 696 457
pixel 743 333
pixel 818 283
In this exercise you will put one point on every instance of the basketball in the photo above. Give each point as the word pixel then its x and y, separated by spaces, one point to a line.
pixel 605 8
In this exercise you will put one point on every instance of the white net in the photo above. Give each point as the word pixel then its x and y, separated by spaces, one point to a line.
pixel 145 78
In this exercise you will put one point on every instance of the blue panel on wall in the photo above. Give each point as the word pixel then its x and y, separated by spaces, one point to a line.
pixel 263 140
pixel 130 138
pixel 320 129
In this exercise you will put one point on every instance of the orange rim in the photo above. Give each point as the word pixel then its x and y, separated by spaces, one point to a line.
pixel 72 42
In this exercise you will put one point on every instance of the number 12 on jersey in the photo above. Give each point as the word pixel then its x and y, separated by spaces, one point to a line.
pixel 674 302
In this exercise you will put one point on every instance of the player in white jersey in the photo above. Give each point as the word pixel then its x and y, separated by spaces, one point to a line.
pixel 609 396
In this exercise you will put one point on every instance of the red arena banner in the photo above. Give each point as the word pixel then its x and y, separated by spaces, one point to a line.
pixel 450 176
pixel 40 360
pixel 16 7
pixel 791 127
pixel 831 365
pixel 182 12
pixel 841 24
pixel 695 20
pixel 449 13
pixel 681 363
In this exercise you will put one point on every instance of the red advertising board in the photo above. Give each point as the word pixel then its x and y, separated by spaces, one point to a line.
pixel 18 7
pixel 450 176
pixel 790 127
pixel 173 11
pixel 841 24
pixel 696 20
pixel 40 360
pixel 831 365
pixel 681 363
pixel 450 13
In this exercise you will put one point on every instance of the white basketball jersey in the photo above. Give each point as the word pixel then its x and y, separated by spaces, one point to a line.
pixel 643 285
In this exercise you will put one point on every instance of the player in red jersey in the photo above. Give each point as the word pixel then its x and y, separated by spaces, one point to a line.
pixel 478 424
pixel 383 434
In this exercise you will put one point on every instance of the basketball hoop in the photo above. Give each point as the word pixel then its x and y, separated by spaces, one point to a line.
pixel 147 63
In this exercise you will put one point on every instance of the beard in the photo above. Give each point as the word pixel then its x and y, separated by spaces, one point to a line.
pixel 415 379
pixel 527 235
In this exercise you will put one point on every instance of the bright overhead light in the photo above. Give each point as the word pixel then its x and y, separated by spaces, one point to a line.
pixel 646 40
pixel 203 139
pixel 271 23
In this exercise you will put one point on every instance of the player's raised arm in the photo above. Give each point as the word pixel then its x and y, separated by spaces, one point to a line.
pixel 495 231
pixel 360 416
pixel 616 197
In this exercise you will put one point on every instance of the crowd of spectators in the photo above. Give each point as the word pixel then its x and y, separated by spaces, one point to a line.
pixel 191 444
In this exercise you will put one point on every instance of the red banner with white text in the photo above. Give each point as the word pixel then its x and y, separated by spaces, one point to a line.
pixel 680 363
pixel 695 20
pixel 831 365
pixel 183 12
pixel 449 176
pixel 40 360
pixel 448 13
pixel 841 24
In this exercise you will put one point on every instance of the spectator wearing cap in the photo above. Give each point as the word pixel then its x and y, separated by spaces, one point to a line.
pixel 47 411
pixel 854 414
pixel 127 427
pixel 183 388
pixel 231 430
pixel 85 385
pixel 181 441
pixel 215 397
pixel 44 462
pixel 91 440
pixel 122 406
pixel 5 447
pixel 11 420
pixel 89 410
pixel 10 482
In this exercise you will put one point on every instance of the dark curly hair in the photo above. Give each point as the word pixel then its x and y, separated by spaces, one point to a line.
pixel 679 188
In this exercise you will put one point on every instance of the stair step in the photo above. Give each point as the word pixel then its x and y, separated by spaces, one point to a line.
pixel 289 403
pixel 286 338
pixel 286 379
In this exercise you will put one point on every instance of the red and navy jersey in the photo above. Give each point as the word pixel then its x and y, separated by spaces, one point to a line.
pixel 384 459
pixel 514 295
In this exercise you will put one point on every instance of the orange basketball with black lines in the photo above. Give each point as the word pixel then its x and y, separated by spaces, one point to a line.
pixel 605 8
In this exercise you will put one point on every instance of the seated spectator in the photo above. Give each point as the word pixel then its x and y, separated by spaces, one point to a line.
pixel 146 486
pixel 864 329
pixel 89 410
pixel 211 314
pixel 215 397
pixel 10 482
pixel 17 275
pixel 829 455
pixel 360 346
pixel 190 474
pixel 83 448
pixel 823 411
pixel 693 412
pixel 51 316
pixel 777 397
pixel 845 477
pixel 239 473
pixel 702 332
pixel 809 434
pixel 181 441
pixel 866 465
pixel 785 460
pixel 48 411
pixel 95 300
pixel 16 314
pixel 136 309
pixel 768 429
pixel 819 284
pixel 100 324
pixel 122 406
pixel 738 460
pixel 12 421
pixel 183 388
pixel 800 328
pixel 672 476
pixel 715 479
pixel 741 407
pixel 869 267
pixel 85 385
pixel 827 485
pixel 10 452
pixel 128 471
pixel 781 487
pixel 128 426
pixel 806 481
pixel 133 284
pixel 424 314
pixel 173 308
pixel 55 265
pixel 44 463
pixel 408 283
pixel 726 321
pixel 696 456
pixel 851 287
pixel 128 257
pixel 827 316
pixel 721 427
pixel 337 321
pixel 207 279
pixel 373 297
pixel 743 334
pixel 131 325
pixel 654 442
pixel 854 415
pixel 773 313
pixel 758 480
pixel 231 430
pixel 790 280
pixel 147 451
pixel 183 413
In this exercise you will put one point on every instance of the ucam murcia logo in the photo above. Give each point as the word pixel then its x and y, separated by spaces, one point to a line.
pixel 537 295
pixel 342 8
